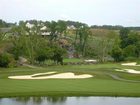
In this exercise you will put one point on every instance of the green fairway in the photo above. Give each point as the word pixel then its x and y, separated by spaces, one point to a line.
pixel 101 84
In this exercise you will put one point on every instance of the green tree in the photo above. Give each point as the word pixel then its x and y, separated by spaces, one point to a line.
pixel 81 39
pixel 103 45
pixel 124 32
pixel 138 49
pixel 61 27
pixel 130 51
pixel 57 53
pixel 43 52
pixel 53 29
pixel 6 60
pixel 117 54
pixel 131 48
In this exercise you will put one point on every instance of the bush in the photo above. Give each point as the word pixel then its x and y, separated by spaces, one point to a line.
pixel 130 51
pixel 117 54
pixel 7 60
pixel 132 59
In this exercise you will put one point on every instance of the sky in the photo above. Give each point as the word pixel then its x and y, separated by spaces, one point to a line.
pixel 92 12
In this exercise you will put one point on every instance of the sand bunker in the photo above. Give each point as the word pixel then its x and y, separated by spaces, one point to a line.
pixel 129 71
pixel 68 75
pixel 130 64
pixel 90 60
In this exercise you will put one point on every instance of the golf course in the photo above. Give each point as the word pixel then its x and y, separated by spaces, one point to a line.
pixel 104 80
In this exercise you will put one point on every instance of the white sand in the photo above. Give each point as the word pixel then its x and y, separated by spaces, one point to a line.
pixel 55 76
pixel 37 74
pixel 90 60
pixel 129 71
pixel 130 64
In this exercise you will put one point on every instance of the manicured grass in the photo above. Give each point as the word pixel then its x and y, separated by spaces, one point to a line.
pixel 67 60
pixel 100 85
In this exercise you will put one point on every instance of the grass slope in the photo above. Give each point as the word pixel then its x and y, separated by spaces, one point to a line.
pixel 100 85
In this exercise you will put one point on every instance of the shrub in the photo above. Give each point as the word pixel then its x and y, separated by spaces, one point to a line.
pixel 132 59
pixel 130 51
pixel 7 60
pixel 117 54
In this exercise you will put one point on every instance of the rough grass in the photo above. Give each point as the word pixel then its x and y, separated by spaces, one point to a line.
pixel 100 85
pixel 72 60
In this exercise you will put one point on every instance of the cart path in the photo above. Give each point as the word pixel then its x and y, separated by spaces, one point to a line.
pixel 121 79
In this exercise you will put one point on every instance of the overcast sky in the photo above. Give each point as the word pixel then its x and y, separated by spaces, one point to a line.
pixel 99 12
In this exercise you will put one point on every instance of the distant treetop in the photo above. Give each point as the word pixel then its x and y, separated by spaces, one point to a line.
pixel 73 24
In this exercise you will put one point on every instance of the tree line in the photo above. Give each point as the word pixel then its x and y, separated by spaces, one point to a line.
pixel 27 40
pixel 116 27
pixel 127 47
